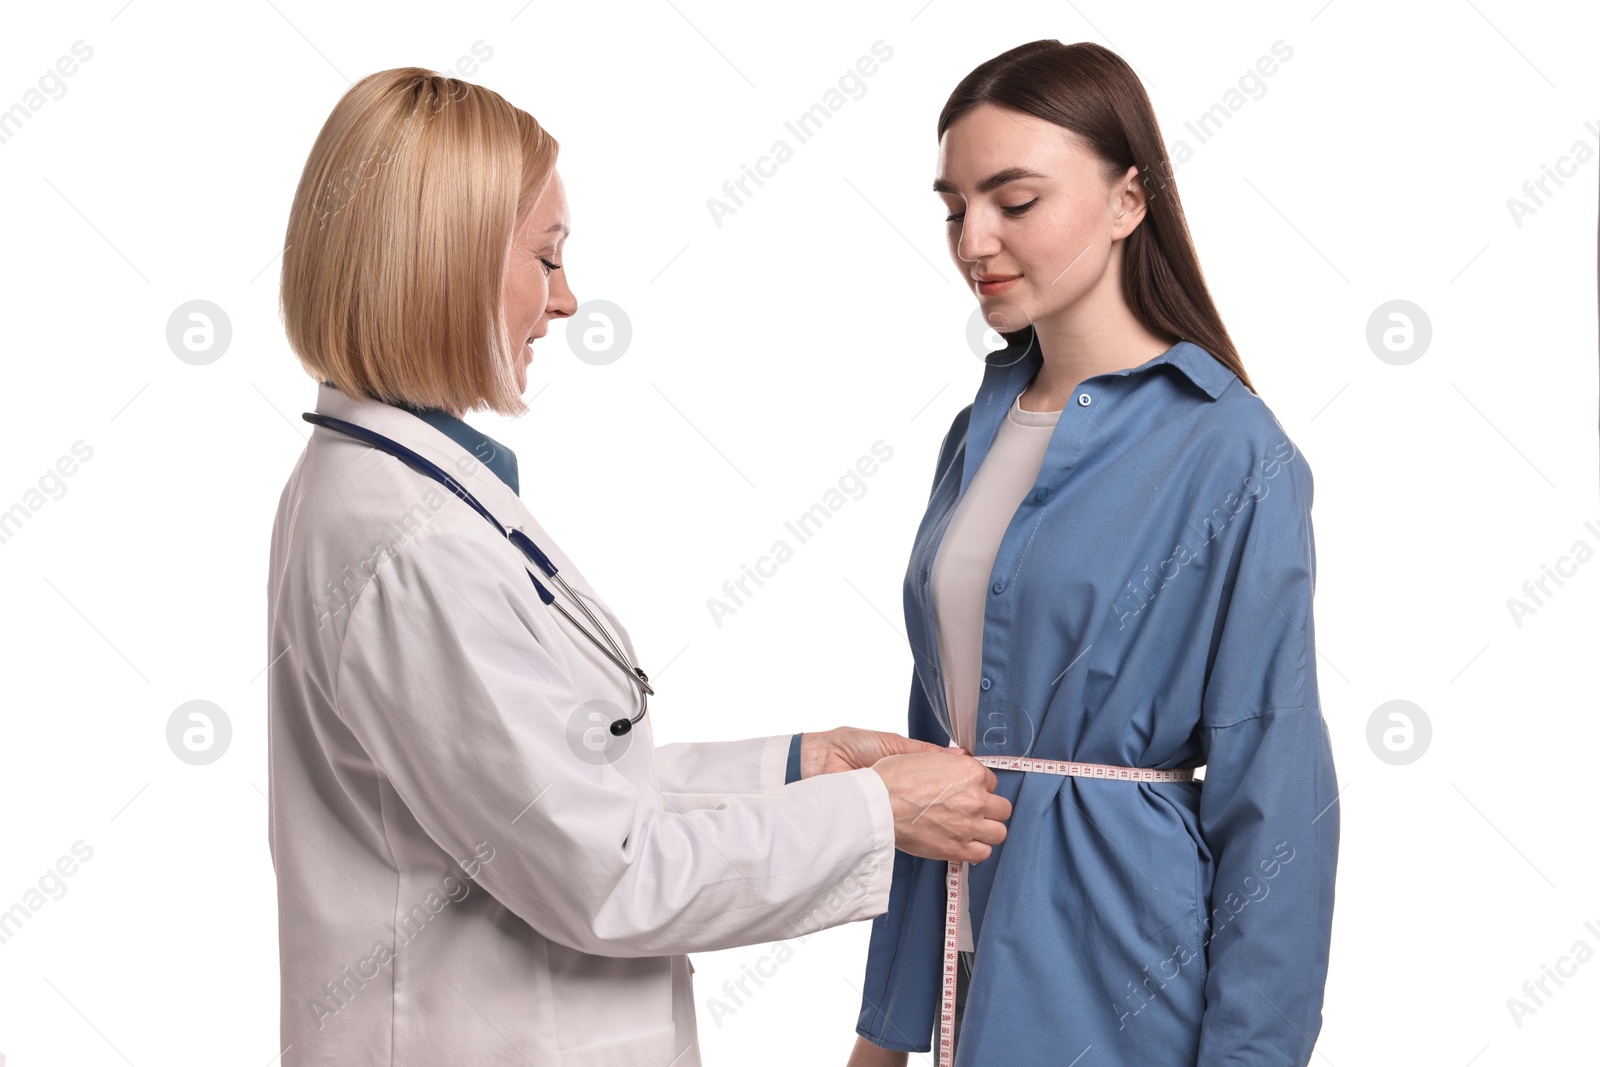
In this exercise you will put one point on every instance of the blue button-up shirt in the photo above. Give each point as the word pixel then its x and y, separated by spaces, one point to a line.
pixel 1150 606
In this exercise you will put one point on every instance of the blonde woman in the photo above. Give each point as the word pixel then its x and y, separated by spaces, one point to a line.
pixel 481 856
pixel 1113 578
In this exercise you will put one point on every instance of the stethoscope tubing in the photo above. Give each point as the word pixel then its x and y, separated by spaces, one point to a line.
pixel 425 466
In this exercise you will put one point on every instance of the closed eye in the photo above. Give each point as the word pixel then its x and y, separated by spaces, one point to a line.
pixel 1014 211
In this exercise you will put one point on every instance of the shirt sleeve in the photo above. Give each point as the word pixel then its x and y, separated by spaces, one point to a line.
pixel 1267 810
pixel 791 771
pixel 457 684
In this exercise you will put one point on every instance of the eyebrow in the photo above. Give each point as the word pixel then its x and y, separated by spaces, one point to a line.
pixel 991 183
pixel 558 226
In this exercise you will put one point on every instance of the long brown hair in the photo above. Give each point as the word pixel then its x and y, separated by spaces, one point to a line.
pixel 1091 91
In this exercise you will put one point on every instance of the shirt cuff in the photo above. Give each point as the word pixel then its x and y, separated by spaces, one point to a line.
pixel 791 772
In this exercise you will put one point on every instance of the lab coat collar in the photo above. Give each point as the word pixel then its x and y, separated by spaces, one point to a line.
pixel 505 505
pixel 432 443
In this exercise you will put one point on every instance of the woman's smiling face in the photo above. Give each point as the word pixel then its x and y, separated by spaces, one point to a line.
pixel 1032 216
pixel 536 288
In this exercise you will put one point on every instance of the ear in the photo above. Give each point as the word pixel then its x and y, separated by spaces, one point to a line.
pixel 1128 197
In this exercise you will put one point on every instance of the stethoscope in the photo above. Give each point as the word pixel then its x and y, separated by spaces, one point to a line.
pixel 423 466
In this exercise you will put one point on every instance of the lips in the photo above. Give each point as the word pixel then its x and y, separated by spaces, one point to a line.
pixel 990 284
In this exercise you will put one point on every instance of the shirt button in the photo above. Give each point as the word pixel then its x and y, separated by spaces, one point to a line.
pixel 997 586
pixel 1083 400
pixel 984 684
pixel 1040 495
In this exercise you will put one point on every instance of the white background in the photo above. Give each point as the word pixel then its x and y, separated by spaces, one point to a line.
pixel 769 354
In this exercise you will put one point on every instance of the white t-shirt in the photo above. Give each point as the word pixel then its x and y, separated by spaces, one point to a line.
pixel 964 561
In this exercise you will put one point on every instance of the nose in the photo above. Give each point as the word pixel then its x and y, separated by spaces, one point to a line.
pixel 561 303
pixel 979 238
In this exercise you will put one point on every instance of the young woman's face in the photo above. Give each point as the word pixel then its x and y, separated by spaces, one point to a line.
pixel 534 291
pixel 1032 218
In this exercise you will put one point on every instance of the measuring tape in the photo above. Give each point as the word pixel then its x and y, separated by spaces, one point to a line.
pixel 952 882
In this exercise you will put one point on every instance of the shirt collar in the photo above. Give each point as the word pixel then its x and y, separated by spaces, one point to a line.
pixel 491 453
pixel 1194 362
pixel 485 449
pixel 1008 371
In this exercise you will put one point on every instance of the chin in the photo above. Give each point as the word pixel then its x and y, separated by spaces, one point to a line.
pixel 1004 317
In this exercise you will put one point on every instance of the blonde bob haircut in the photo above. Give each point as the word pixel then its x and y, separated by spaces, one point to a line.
pixel 399 238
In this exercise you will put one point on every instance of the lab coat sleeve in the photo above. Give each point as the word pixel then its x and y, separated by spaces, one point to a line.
pixel 456 683
pixel 1267 806
pixel 715 768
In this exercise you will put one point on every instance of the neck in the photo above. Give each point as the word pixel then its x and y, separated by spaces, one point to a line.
pixel 1098 334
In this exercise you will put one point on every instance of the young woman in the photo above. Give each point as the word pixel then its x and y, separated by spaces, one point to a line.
pixel 1116 567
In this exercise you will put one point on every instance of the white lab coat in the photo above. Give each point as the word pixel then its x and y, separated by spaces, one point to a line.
pixel 460 879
